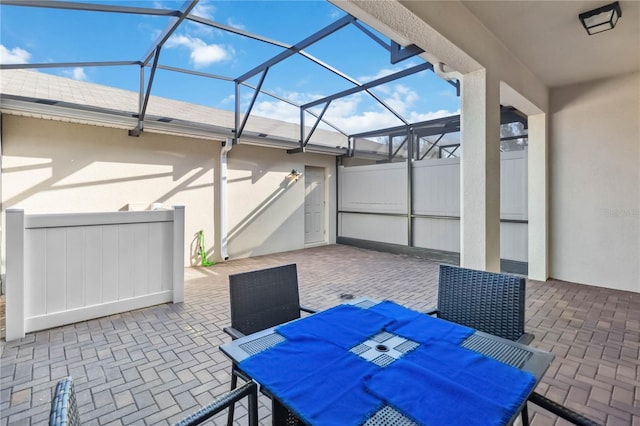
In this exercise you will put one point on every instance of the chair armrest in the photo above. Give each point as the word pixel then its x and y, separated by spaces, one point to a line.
pixel 235 334
pixel 64 407
pixel 307 309
pixel 561 411
pixel 526 338
pixel 432 311
pixel 222 402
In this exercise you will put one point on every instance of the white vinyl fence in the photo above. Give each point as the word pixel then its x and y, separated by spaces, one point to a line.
pixel 373 204
pixel 65 268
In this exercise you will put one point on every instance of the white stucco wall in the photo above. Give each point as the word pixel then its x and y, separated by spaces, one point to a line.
pixel 265 209
pixel 595 182
pixel 57 167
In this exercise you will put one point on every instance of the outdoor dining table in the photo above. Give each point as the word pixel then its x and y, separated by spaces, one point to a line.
pixel 370 362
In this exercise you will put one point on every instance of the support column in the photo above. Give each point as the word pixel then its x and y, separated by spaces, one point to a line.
pixel 480 172
pixel 538 212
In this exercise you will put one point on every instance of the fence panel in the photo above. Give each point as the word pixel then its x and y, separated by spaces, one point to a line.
pixel 382 188
pixel 378 188
pixel 65 268
pixel 384 229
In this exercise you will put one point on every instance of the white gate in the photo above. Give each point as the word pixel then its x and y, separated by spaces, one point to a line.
pixel 66 268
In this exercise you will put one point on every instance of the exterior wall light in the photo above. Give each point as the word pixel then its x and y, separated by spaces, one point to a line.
pixel 294 175
pixel 601 19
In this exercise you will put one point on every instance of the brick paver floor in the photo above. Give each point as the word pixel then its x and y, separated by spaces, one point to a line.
pixel 155 365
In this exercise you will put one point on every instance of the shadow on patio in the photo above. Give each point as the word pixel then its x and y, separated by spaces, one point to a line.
pixel 156 365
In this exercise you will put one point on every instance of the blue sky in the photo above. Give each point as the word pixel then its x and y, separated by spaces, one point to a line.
pixel 39 35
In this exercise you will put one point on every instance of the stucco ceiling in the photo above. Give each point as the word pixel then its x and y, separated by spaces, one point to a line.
pixel 549 39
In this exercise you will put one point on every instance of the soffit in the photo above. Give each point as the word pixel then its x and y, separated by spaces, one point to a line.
pixel 549 39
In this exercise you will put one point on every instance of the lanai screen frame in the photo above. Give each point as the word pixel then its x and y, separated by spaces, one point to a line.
pixel 439 126
pixel 151 59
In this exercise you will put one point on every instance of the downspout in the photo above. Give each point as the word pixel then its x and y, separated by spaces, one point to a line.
pixel 226 147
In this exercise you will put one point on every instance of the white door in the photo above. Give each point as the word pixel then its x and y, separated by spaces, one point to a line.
pixel 314 205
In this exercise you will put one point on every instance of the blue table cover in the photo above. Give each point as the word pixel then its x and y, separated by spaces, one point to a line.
pixel 314 374
pixel 342 325
pixel 419 327
pixel 321 383
pixel 464 387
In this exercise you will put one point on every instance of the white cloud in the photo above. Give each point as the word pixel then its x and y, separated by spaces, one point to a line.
pixel 383 72
pixel 228 100
pixel 343 113
pixel 344 107
pixel 204 10
pixel 401 98
pixel 233 24
pixel 280 110
pixel 153 34
pixel 349 114
pixel 195 29
pixel 277 110
pixel 363 121
pixel 416 117
pixel 373 120
pixel 202 54
pixel 76 74
pixel 302 98
pixel 13 56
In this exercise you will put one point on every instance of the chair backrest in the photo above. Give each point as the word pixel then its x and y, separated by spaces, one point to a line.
pixel 486 301
pixel 264 298
pixel 64 407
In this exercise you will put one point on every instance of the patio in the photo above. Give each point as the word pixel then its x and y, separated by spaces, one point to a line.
pixel 156 365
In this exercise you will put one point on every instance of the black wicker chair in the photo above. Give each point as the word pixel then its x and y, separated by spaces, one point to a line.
pixel 261 299
pixel 64 408
pixel 486 301
pixel 493 303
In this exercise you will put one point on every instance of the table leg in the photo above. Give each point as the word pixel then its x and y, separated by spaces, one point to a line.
pixel 282 416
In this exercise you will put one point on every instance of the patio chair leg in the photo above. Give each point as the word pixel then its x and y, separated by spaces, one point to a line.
pixel 525 415
pixel 253 409
pixel 234 384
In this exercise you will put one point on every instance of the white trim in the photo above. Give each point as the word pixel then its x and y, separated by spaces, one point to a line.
pixel 88 219
pixel 57 319
pixel 79 114
pixel 72 115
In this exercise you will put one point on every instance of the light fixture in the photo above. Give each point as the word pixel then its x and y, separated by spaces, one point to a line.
pixel 294 175
pixel 601 19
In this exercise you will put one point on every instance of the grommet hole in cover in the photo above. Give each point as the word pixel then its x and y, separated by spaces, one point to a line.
pixel 382 348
